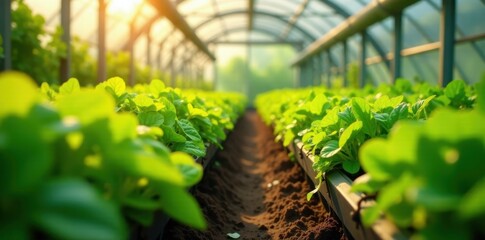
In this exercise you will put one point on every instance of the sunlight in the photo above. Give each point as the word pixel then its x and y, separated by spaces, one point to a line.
pixel 123 7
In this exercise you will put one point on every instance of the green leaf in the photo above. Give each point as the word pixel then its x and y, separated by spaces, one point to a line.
pixel 471 205
pixel 69 87
pixel 288 137
pixel 361 111
pixel 15 228
pixel 181 206
pixel 401 111
pixel 351 166
pixel 349 133
pixel 331 118
pixel 26 158
pixel 439 200
pixel 311 193
pixel 347 115
pixel 18 93
pixel 382 103
pixel 189 130
pixel 196 112
pixel 370 215
pixel 152 119
pixel 318 138
pixel 88 106
pixel 116 84
pixel 170 136
pixel 330 149
pixel 191 171
pixel 374 158
pixel 480 88
pixel 143 101
pixel 455 90
pixel 140 202
pixel 191 147
pixel 70 208
pixel 419 108
pixel 234 235
pixel 156 86
pixel 319 104
pixel 129 159
pixel 145 217
pixel 123 126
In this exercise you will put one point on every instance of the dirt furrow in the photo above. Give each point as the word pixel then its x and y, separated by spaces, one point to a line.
pixel 255 190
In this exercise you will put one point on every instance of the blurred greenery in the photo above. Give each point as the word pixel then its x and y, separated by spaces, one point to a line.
pixel 268 69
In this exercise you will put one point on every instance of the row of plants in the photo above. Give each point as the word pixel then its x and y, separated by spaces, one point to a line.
pixel 348 129
pixel 95 161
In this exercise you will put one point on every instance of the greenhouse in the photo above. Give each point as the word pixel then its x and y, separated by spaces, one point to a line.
pixel 242 119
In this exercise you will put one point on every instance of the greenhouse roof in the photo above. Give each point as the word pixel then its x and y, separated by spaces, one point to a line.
pixel 302 24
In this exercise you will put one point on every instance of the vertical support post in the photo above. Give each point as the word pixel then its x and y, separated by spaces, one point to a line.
pixel 329 69
pixel 363 56
pixel 173 76
pixel 159 57
pixel 397 46
pixel 215 75
pixel 247 86
pixel 65 66
pixel 447 41
pixel 149 48
pixel 131 50
pixel 305 73
pixel 318 79
pixel 6 33
pixel 345 61
pixel 101 40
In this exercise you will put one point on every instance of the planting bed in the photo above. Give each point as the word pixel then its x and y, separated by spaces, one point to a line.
pixel 255 190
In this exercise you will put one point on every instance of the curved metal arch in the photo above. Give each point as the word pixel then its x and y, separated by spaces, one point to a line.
pixel 216 36
pixel 370 38
pixel 245 11
pixel 266 31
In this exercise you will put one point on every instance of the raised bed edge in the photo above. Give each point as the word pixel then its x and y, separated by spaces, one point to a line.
pixel 336 192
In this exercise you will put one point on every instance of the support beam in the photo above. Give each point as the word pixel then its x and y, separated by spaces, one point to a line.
pixel 143 29
pixel 101 40
pixel 6 34
pixel 250 14
pixel 447 40
pixel 397 47
pixel 65 66
pixel 167 9
pixel 291 23
pixel 257 42
pixel 374 12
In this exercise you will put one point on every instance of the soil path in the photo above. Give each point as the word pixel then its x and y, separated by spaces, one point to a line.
pixel 255 190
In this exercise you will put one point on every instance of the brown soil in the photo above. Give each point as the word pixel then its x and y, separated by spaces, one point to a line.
pixel 254 189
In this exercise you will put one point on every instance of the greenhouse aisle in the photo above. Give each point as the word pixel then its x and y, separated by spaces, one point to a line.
pixel 254 191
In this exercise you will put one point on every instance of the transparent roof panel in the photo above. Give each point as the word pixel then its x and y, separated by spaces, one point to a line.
pixel 227 20
pixel 471 19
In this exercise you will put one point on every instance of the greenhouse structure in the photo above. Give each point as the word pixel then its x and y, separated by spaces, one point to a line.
pixel 242 119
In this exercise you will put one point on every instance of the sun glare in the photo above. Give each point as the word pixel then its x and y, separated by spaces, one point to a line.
pixel 123 6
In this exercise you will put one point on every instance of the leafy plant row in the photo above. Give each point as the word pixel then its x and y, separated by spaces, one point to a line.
pixel 333 124
pixel 91 162
pixel 426 175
